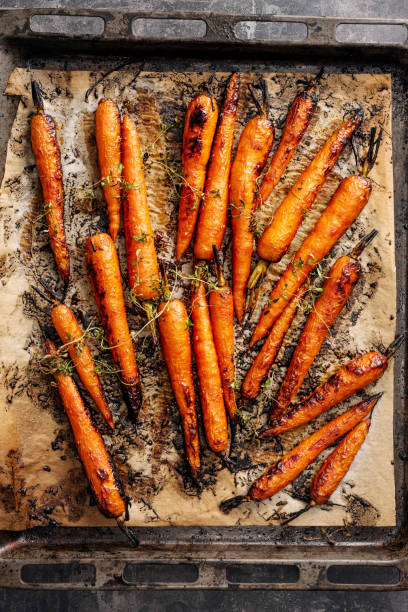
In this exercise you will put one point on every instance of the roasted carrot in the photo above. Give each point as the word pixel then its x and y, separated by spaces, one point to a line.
pixel 346 204
pixel 252 152
pixel 353 376
pixel 108 143
pixel 338 464
pixel 222 322
pixel 210 385
pixel 300 114
pixel 72 336
pixel 199 128
pixel 104 274
pixel 48 160
pixel 267 355
pixel 212 219
pixel 287 218
pixel 175 341
pixel 336 290
pixel 90 445
pixel 291 465
pixel 141 252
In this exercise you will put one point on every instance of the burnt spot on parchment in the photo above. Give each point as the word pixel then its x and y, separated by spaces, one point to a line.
pixel 361 512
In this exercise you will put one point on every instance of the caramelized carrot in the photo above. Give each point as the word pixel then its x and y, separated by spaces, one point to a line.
pixel 222 322
pixel 48 159
pixel 252 152
pixel 289 215
pixel 267 355
pixel 108 143
pixel 90 445
pixel 298 119
pixel 199 128
pixel 72 336
pixel 336 290
pixel 212 220
pixel 211 393
pixel 353 376
pixel 338 463
pixel 175 341
pixel 344 207
pixel 104 274
pixel 291 465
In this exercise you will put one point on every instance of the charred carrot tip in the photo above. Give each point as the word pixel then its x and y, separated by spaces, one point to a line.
pixel 36 94
pixel 128 532
pixel 229 504
pixel 394 346
pixel 359 248
pixel 294 515
pixel 42 294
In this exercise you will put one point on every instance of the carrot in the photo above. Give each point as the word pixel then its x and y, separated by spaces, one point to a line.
pixel 222 322
pixel 211 393
pixel 300 114
pixel 267 355
pixel 252 152
pixel 346 204
pixel 73 337
pixel 175 342
pixel 199 128
pixel 90 445
pixel 336 290
pixel 48 160
pixel 353 376
pixel 108 143
pixel 141 253
pixel 287 218
pixel 212 219
pixel 104 274
pixel 280 474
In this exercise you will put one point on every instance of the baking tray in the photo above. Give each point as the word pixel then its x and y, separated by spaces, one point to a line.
pixel 227 557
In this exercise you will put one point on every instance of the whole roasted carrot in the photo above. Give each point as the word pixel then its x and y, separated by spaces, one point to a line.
pixel 48 159
pixel 211 393
pixel 353 376
pixel 72 336
pixel 252 152
pixel 222 322
pixel 291 465
pixel 141 253
pixel 300 114
pixel 199 128
pixel 344 207
pixel 175 341
pixel 90 445
pixel 267 355
pixel 336 290
pixel 212 220
pixel 108 143
pixel 104 274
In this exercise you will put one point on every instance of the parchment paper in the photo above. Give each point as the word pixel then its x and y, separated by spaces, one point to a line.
pixel 41 478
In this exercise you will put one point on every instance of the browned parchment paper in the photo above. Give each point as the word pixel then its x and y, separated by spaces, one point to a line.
pixel 41 479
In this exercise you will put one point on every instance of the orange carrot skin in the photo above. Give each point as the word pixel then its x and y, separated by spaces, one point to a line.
pixel 338 464
pixel 354 376
pixel 48 159
pixel 212 220
pixel 91 447
pixel 104 274
pixel 298 119
pixel 222 322
pixel 267 355
pixel 337 288
pixel 211 393
pixel 199 128
pixel 346 204
pixel 70 332
pixel 141 253
pixel 175 342
pixel 252 152
pixel 289 215
pixel 291 465
pixel 108 143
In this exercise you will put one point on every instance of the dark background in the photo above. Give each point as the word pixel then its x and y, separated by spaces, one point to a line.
pixel 13 600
